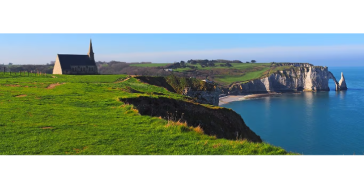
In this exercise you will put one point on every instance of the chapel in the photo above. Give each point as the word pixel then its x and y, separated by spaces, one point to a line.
pixel 76 64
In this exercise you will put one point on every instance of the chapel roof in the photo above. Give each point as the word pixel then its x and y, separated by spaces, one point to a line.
pixel 68 60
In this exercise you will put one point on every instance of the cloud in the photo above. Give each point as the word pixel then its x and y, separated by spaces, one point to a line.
pixel 261 54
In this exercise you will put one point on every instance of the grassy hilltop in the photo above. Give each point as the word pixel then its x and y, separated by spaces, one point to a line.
pixel 67 114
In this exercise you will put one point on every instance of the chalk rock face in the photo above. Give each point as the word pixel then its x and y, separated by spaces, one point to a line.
pixel 300 77
pixel 204 97
pixel 342 83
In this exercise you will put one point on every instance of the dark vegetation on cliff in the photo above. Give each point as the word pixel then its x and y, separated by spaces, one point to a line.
pixel 200 91
pixel 109 114
pixel 177 84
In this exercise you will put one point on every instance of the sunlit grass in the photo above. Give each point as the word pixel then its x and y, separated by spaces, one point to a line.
pixel 84 116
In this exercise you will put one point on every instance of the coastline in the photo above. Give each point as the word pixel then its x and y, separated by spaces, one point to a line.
pixel 231 98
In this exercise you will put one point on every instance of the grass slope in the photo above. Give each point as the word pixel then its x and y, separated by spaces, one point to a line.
pixel 82 115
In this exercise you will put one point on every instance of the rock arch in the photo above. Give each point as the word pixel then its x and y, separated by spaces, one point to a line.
pixel 341 85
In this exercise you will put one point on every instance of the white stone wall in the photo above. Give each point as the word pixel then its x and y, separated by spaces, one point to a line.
pixel 57 67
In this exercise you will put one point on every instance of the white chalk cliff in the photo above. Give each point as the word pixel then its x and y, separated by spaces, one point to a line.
pixel 301 77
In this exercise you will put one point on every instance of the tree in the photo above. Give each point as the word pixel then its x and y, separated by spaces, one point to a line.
pixel 247 62
pixel 176 65
pixel 211 64
pixel 193 62
pixel 253 61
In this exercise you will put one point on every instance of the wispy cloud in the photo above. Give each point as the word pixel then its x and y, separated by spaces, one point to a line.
pixel 261 54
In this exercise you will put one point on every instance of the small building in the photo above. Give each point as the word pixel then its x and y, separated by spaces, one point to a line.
pixel 76 64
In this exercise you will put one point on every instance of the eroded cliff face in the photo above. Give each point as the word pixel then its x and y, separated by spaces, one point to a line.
pixel 215 121
pixel 203 97
pixel 299 78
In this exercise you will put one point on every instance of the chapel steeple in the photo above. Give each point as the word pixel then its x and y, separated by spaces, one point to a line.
pixel 91 52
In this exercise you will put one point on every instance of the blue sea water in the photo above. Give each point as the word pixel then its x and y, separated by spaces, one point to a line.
pixel 311 123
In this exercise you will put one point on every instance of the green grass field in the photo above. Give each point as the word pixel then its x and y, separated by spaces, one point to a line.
pixel 83 115
pixel 245 77
pixel 239 72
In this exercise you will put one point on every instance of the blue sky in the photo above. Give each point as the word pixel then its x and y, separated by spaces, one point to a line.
pixel 318 49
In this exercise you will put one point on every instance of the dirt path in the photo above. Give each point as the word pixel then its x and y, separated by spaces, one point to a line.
pixel 51 86
pixel 12 85
pixel 122 80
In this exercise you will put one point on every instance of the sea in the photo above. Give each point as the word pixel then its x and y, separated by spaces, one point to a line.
pixel 311 123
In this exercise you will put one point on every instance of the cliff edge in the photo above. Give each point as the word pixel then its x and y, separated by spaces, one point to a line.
pixel 215 121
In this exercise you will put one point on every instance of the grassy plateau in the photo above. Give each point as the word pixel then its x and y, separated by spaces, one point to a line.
pixel 69 114
pixel 238 72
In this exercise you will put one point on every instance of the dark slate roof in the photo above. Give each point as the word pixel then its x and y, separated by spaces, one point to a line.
pixel 68 60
